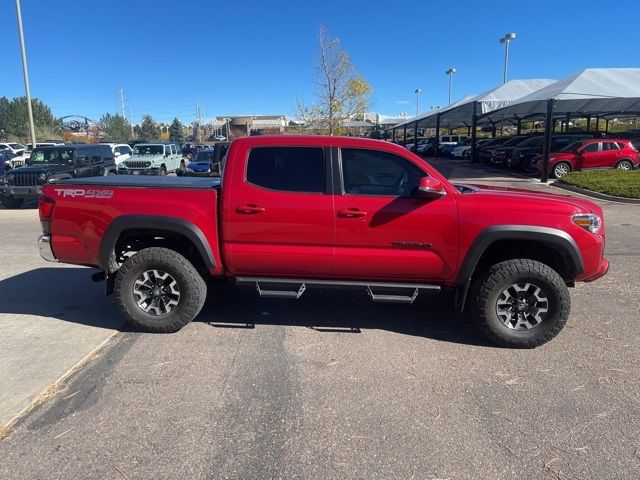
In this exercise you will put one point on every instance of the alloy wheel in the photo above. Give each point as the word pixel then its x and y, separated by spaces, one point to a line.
pixel 156 292
pixel 522 306
pixel 560 170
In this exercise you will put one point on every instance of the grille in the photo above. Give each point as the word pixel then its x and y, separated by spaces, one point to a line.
pixel 137 164
pixel 26 179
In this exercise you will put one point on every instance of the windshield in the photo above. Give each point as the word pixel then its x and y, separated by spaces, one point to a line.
pixel 572 147
pixel 54 156
pixel 148 150
pixel 16 145
pixel 203 157
pixel 513 141
pixel 531 142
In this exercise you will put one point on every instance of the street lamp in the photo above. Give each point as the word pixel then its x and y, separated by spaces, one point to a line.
pixel 25 72
pixel 450 73
pixel 506 39
pixel 417 92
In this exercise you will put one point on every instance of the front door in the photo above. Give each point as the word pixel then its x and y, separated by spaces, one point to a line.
pixel 383 230
pixel 590 156
pixel 278 212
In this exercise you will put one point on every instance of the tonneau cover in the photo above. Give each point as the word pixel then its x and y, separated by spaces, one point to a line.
pixel 148 181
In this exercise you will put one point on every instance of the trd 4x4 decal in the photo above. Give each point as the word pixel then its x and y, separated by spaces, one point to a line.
pixel 83 193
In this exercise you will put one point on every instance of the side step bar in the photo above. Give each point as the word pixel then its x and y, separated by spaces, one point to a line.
pixel 277 288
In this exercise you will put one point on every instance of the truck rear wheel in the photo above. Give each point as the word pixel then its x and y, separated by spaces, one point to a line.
pixel 158 290
pixel 520 303
pixel 10 202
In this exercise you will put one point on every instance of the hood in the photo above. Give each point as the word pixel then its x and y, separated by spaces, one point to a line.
pixel 50 168
pixel 533 200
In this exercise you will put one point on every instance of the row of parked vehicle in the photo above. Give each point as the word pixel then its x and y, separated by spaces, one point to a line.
pixel 569 151
pixel 24 170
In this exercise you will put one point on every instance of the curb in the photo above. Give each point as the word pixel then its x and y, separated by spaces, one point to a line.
pixel 601 196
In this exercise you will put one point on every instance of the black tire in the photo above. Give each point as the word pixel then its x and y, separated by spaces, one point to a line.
pixel 560 169
pixel 189 156
pixel 624 165
pixel 163 171
pixel 11 202
pixel 487 294
pixel 190 285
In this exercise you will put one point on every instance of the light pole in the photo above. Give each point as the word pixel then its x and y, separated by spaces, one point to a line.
pixel 450 73
pixel 417 92
pixel 25 72
pixel 506 39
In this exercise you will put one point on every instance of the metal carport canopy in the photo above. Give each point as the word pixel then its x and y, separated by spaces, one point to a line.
pixel 461 112
pixel 593 91
pixel 590 92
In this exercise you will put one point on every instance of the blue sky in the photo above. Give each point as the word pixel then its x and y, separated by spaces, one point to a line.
pixel 256 57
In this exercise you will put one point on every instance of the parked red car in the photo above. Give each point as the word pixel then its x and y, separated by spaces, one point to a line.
pixel 592 153
pixel 293 212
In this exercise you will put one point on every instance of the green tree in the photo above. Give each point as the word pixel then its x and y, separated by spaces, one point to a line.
pixel 341 92
pixel 176 133
pixel 16 119
pixel 115 127
pixel 4 111
pixel 149 129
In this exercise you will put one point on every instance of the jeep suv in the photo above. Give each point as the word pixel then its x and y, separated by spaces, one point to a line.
pixel 51 164
pixel 153 159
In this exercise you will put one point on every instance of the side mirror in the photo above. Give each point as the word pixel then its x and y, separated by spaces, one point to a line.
pixel 429 187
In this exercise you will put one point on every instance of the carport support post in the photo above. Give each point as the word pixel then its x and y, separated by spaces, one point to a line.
pixel 415 137
pixel 566 122
pixel 474 127
pixel 588 123
pixel 519 126
pixel 436 141
pixel 404 140
pixel 548 131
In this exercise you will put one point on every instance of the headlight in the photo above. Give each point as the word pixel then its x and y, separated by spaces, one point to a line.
pixel 42 177
pixel 588 221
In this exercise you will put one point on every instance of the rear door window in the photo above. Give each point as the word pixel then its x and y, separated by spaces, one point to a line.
pixel 591 148
pixel 287 169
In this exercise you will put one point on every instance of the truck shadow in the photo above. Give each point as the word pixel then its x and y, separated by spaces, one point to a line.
pixel 337 311
pixel 68 294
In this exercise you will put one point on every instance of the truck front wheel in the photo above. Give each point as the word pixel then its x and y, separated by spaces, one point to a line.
pixel 520 303
pixel 158 290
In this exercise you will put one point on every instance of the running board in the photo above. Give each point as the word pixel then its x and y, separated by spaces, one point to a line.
pixel 302 284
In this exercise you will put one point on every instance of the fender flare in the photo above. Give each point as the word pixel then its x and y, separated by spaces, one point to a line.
pixel 153 222
pixel 559 239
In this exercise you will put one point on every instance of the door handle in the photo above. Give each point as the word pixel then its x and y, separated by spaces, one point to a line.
pixel 250 208
pixel 351 213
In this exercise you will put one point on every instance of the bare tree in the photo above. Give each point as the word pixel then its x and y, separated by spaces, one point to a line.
pixel 341 92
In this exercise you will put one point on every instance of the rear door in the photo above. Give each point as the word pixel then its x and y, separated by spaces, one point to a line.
pixel 610 155
pixel 384 231
pixel 278 215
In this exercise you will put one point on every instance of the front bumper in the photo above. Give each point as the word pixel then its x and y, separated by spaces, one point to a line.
pixel 602 271
pixel 138 171
pixel 44 245
pixel 20 192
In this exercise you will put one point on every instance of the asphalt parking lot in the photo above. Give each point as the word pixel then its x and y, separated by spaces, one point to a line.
pixel 331 386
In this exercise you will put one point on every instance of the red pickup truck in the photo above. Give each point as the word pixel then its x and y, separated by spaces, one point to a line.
pixel 297 212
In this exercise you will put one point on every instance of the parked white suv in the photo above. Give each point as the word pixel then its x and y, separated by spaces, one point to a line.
pixel 121 151
pixel 19 160
pixel 16 148
pixel 451 139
